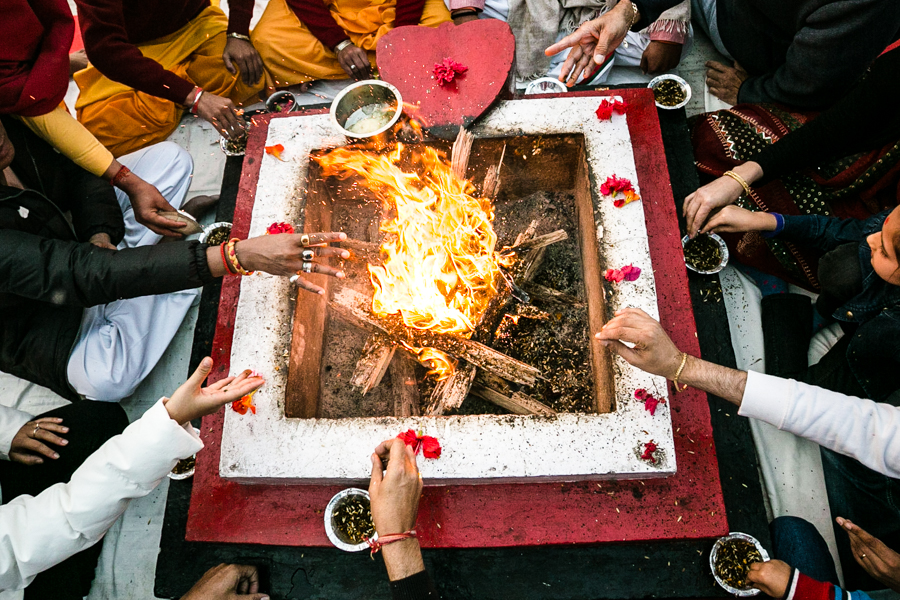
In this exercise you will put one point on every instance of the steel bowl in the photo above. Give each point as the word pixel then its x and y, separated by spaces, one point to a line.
pixel 334 536
pixel 282 97
pixel 187 474
pixel 684 86
pixel 212 227
pixel 715 552
pixel 723 248
pixel 365 99
pixel 546 85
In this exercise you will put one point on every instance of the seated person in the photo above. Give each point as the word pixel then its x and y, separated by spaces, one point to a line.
pixel 802 566
pixel 804 171
pixel 654 49
pixel 859 438
pixel 152 60
pixel 78 318
pixel 803 55
pixel 306 40
pixel 57 509
pixel 33 82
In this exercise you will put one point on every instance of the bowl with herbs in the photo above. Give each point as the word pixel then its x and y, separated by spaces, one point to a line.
pixel 234 146
pixel 215 234
pixel 348 520
pixel 670 91
pixel 705 253
pixel 730 562
pixel 184 468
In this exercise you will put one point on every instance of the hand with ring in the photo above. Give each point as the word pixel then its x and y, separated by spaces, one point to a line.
pixel 30 444
pixel 355 62
pixel 286 254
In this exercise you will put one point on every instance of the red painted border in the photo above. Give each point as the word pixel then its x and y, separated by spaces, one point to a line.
pixel 687 505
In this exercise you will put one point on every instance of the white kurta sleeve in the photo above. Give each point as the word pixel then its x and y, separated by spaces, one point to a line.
pixel 39 532
pixel 862 429
pixel 11 421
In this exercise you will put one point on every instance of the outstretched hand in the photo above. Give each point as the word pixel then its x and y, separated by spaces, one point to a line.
pixel 148 203
pixel 592 42
pixel 282 254
pixel 873 555
pixel 653 351
pixel 191 401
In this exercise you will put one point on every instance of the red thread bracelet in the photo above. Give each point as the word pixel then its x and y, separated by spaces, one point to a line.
pixel 196 100
pixel 384 540
pixel 228 268
pixel 122 174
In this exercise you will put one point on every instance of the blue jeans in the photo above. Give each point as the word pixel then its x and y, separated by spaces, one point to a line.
pixel 799 544
pixel 869 499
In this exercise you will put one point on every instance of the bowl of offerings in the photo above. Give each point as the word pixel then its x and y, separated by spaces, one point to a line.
pixel 348 520
pixel 706 253
pixel 730 562
pixel 281 102
pixel 215 234
pixel 184 468
pixel 546 85
pixel 366 108
pixel 670 91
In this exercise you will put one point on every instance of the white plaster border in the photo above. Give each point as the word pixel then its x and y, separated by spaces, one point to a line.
pixel 268 447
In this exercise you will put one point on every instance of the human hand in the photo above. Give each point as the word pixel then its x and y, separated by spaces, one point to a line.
pixel 709 198
pixel 725 82
pixel 592 42
pixel 220 112
pixel 771 577
pixel 78 60
pixel 190 401
pixel 873 555
pixel 653 351
pixel 464 19
pixel 227 582
pixel 148 203
pixel 282 254
pixel 660 57
pixel 101 240
pixel 242 53
pixel 355 62
pixel 30 442
pixel 734 219
pixel 394 493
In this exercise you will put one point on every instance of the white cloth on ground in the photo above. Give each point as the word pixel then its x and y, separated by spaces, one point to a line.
pixel 37 532
pixel 862 429
pixel 119 343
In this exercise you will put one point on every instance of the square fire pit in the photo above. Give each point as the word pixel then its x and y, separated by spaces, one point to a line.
pixel 310 427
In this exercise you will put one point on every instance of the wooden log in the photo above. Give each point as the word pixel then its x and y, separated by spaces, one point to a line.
pixel 405 385
pixel 352 306
pixel 459 156
pixel 527 234
pixel 540 241
pixel 450 393
pixel 491 185
pixel 377 353
pixel 545 294
pixel 361 246
pixel 518 403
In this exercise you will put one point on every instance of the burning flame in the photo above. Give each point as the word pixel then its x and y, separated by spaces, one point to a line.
pixel 440 268
pixel 439 364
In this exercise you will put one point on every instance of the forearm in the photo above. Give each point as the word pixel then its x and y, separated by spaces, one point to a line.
pixel 408 12
pixel 240 13
pixel 62 131
pixel 403 559
pixel 714 379
pixel 317 18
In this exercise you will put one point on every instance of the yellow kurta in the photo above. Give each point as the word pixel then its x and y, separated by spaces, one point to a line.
pixel 292 54
pixel 125 120
pixel 60 129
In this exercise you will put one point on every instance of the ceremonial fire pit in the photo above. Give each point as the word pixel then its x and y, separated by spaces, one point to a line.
pixel 524 394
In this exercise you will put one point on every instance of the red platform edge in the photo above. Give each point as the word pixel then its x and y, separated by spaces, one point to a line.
pixel 688 505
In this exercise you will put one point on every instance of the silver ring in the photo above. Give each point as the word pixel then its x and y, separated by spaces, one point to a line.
pixel 37 428
pixel 353 67
pixel 307 267
pixel 307 255
pixel 294 278
pixel 304 240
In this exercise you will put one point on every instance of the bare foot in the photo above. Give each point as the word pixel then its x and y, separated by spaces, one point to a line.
pixel 198 205
pixel 77 61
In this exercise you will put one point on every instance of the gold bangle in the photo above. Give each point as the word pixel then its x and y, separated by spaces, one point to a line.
pixel 678 373
pixel 634 16
pixel 740 180
pixel 239 36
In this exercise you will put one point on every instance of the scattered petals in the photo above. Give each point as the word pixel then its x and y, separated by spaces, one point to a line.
pixel 446 71
pixel 649 448
pixel 275 151
pixel 428 445
pixel 276 228
pixel 608 107
pixel 630 196
pixel 626 273
pixel 650 401
pixel 244 404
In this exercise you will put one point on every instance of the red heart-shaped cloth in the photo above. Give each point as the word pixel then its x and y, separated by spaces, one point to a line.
pixel 407 57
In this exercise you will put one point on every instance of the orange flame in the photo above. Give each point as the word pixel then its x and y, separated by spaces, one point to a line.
pixel 440 365
pixel 440 268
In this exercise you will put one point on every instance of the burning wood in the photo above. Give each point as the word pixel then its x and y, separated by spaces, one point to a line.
pixel 496 390
pixel 371 367
pixel 491 185
pixel 406 388
pixel 459 156
pixel 450 393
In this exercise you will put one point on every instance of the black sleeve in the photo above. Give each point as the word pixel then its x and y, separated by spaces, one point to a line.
pixel 91 200
pixel 650 11
pixel 415 587
pixel 81 274
pixel 867 117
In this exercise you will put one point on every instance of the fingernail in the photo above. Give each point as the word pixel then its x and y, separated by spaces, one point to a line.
pixel 599 58
pixel 345 255
pixel 64 442
pixel 55 455
pixel 65 430
pixel 342 236
pixel 206 362
pixel 340 274
pixel 40 461
pixel 321 292
pixel 246 372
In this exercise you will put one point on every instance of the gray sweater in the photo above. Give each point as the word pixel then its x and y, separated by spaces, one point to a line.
pixel 802 53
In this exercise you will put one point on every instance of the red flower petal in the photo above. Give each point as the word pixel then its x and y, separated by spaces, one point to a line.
pixel 604 111
pixel 409 437
pixel 649 448
pixel 619 203
pixel 446 71
pixel 276 228
pixel 631 272
pixel 620 106
pixel 275 151
pixel 431 448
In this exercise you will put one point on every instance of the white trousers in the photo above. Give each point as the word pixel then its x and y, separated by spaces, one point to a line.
pixel 119 343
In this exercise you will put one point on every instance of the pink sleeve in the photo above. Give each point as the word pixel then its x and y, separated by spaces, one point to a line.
pixel 458 4
pixel 668 31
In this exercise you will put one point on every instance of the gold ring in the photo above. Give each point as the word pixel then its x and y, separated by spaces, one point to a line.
pixel 36 429
pixel 862 555
pixel 304 239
